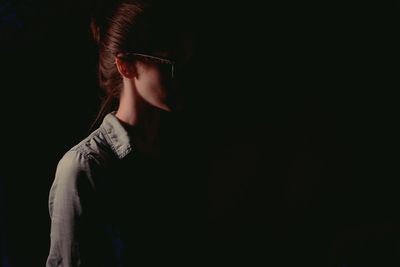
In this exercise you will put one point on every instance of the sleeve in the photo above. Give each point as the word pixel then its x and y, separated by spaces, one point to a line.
pixel 65 208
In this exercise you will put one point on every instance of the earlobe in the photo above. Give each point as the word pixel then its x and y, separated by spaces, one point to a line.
pixel 126 69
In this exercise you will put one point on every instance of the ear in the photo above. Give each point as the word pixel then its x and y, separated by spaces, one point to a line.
pixel 126 69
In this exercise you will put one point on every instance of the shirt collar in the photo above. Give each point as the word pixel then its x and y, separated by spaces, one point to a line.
pixel 117 135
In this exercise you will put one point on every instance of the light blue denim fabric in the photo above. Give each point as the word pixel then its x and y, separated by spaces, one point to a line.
pixel 75 181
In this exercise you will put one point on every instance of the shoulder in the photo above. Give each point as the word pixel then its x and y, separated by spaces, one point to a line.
pixel 91 153
pixel 101 149
pixel 74 162
pixel 73 168
pixel 95 148
pixel 76 172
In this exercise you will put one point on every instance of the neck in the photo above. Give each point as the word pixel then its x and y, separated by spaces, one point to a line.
pixel 145 119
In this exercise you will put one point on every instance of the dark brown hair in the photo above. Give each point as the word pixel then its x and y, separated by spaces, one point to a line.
pixel 131 26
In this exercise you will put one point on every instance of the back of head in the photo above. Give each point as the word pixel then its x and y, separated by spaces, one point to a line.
pixel 136 26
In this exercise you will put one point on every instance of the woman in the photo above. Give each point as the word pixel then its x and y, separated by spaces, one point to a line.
pixel 112 201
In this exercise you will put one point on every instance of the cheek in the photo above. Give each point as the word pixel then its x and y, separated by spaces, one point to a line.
pixel 156 82
pixel 152 85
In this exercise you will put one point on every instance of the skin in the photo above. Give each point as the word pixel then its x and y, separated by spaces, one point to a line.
pixel 142 100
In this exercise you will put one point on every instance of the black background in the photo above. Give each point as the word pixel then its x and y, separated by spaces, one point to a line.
pixel 291 125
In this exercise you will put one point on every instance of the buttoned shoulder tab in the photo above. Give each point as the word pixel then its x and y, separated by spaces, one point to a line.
pixel 110 141
pixel 116 135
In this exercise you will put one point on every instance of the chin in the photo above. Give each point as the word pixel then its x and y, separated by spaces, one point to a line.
pixel 168 109
pixel 165 108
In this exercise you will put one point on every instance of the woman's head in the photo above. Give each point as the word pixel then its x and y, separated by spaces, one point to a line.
pixel 139 40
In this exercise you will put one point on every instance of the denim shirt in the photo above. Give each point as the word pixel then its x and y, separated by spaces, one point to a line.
pixel 106 203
